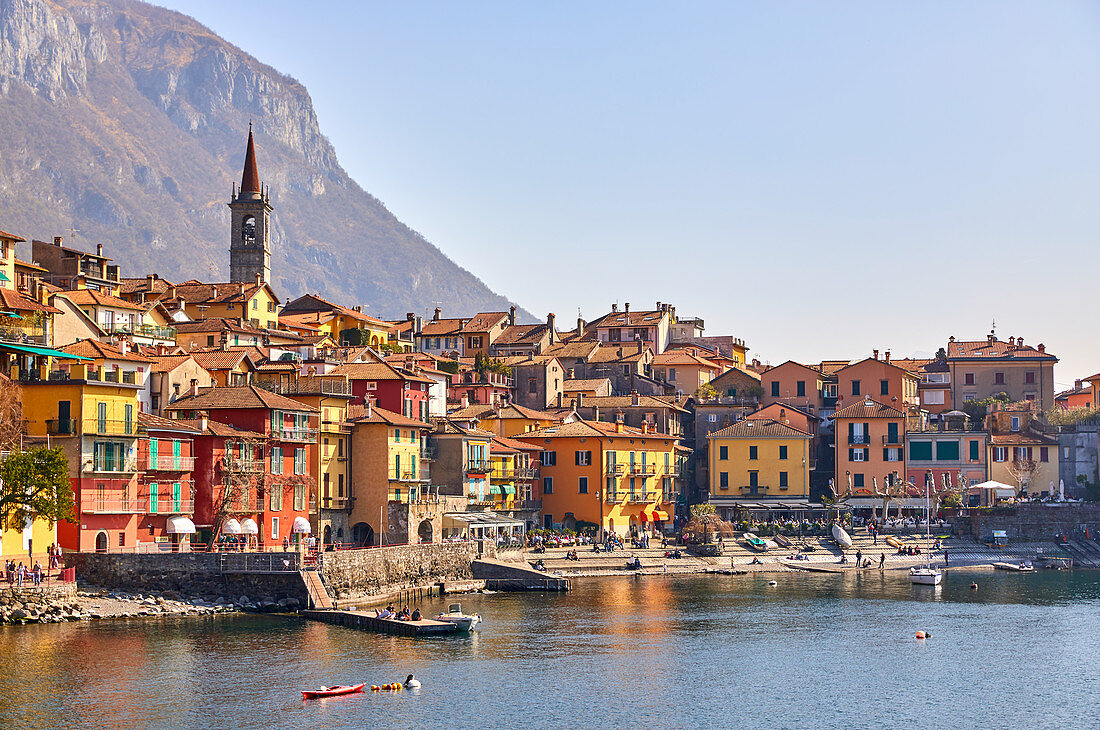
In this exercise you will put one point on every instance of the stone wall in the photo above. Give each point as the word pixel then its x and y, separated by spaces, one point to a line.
pixel 46 604
pixel 354 573
pixel 1034 522
pixel 192 574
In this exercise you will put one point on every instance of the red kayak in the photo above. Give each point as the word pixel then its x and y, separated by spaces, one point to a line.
pixel 342 689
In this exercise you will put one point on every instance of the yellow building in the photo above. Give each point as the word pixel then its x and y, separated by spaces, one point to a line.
pixel 507 420
pixel 515 467
pixel 1020 454
pixel 254 302
pixel 606 474
pixel 755 459
pixel 7 259
pixel 314 312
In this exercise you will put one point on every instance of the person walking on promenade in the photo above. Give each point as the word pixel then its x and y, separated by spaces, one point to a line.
pixel 859 558
pixel 20 573
pixel 945 563
pixel 37 573
pixel 882 561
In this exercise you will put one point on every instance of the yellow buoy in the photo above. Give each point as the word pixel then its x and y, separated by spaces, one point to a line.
pixel 375 688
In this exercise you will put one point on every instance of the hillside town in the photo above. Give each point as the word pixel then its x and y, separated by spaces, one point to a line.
pixel 198 415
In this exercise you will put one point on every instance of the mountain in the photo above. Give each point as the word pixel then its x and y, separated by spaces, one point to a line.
pixel 127 122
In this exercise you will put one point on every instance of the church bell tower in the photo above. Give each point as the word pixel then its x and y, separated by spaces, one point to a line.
pixel 249 243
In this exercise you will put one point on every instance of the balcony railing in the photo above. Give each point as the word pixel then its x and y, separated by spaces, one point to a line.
pixel 308 385
pixel 410 476
pixel 532 504
pixel 126 377
pixel 236 464
pixel 618 495
pixel 168 506
pixel 643 469
pixel 168 463
pixel 427 453
pixel 22 334
pixel 672 471
pixel 293 434
pixel 514 475
pixel 859 438
pixel 414 496
pixel 115 506
pixel 615 470
pixel 143 330
pixel 334 502
pixel 110 427
pixel 895 440
pixel 121 465
pixel 61 427
pixel 479 466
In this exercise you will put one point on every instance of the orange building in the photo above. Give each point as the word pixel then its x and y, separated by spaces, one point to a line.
pixel 618 478
pixel 794 384
pixel 870 446
pixel 880 380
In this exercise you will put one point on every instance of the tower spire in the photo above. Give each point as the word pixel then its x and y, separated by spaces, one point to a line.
pixel 250 179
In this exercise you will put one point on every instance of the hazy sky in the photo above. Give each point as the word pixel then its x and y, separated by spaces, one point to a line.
pixel 819 179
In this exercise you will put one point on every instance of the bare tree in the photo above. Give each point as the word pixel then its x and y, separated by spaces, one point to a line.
pixel 1022 470
pixel 11 414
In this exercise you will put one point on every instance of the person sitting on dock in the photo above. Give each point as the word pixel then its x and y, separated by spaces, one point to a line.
pixel 416 616
pixel 404 615
pixel 387 612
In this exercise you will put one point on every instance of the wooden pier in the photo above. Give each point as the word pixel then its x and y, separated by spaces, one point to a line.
pixel 368 621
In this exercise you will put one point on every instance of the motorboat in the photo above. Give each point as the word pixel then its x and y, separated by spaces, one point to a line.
pixel 1025 567
pixel 454 615
pixel 341 689
pixel 842 538
pixel 756 543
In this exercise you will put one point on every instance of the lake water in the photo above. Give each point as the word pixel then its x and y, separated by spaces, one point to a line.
pixel 816 651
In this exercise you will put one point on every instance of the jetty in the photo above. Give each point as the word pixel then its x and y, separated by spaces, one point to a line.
pixel 367 620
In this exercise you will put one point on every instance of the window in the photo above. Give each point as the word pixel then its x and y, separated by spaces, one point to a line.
pixel 177 496
pixel 782 453
pixel 255 304
pixel 920 450
pixel 397 435
pixel 724 453
pixel 582 485
pixel 300 466
pixel 276 498
pixel 271 306
pixel 274 528
pixel 153 498
pixel 968 379
pixel 783 479
pixel 122 539
pixel 1044 455
pixel 752 453
pixel 754 479
pixel 1000 453
pixel 532 385
pixel 1029 377
pixel 1015 423
pixel 731 392
pixel 775 389
pixel 967 397
pixel 947 451
pixel 723 480
pixel 855 387
pixel 712 418
pixel 857 481
pixel 277 460
pixel 892 433
pixel 884 387
pixel 1065 452
pixel 891 454
pixel 299 497
pixel 672 373
pixel 548 485
pixel 932 397
pixel 998 378
pixel 974 450
pixel 857 455
pixel 582 458
pixel 549 458
pixel 800 388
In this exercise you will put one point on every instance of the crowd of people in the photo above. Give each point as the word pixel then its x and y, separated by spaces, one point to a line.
pixel 19 574
pixel 403 615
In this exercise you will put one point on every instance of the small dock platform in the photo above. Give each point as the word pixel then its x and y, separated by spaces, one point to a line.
pixel 368 621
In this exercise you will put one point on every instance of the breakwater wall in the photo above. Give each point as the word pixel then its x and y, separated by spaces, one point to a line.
pixel 44 604
pixel 356 573
pixel 1034 522
pixel 260 577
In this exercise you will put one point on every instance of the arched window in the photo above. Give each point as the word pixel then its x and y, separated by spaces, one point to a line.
pixel 248 229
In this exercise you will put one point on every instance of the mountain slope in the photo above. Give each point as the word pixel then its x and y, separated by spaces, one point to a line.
pixel 127 122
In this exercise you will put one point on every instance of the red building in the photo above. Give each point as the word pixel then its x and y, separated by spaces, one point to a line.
pixel 480 387
pixel 252 457
pixel 166 459
pixel 391 388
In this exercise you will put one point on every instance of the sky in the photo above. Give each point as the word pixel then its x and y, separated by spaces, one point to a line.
pixel 818 179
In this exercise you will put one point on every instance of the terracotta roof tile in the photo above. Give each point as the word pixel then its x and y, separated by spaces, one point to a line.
pixel 759 428
pixel 102 351
pixel 13 301
pixel 868 408
pixel 91 297
pixel 997 349
pixel 485 321
pixel 357 413
pixel 242 396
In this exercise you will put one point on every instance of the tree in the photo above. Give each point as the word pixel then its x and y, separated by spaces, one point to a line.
pixel 706 391
pixel 976 410
pixel 941 356
pixel 698 511
pixel 35 483
pixel 11 414
pixel 1022 470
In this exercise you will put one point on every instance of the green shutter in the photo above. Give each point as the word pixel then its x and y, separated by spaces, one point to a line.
pixel 153 498
pixel 973 450
pixel 153 449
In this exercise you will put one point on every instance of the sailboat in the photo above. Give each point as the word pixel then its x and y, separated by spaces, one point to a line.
pixel 926 575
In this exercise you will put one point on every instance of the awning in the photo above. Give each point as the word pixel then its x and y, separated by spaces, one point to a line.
pixel 31 350
pixel 231 527
pixel 660 516
pixel 494 489
pixel 301 526
pixel 509 489
pixel 249 527
pixel 4 277
pixel 180 526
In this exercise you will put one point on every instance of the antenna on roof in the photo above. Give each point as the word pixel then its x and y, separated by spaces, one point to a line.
pixel 73 230
pixel 994 330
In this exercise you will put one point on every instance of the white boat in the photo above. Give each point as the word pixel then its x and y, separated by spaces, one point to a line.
pixel 1025 567
pixel 926 575
pixel 454 615
pixel 842 538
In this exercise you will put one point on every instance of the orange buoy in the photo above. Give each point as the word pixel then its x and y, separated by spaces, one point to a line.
pixel 397 686
pixel 375 688
pixel 921 635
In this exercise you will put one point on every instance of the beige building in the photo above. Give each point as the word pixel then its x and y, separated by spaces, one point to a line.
pixel 986 367
pixel 1020 454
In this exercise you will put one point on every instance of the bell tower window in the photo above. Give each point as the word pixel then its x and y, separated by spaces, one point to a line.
pixel 248 230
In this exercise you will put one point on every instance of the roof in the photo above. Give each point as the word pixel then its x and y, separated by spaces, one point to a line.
pixel 521 334
pixel 194 291
pixel 868 408
pixel 759 428
pixel 513 445
pixel 97 350
pixel 215 428
pixel 167 363
pixel 11 236
pixel 219 359
pixel 682 358
pixel 583 428
pixel 485 321
pixel 626 352
pixel 13 301
pixel 358 414
pixel 92 297
pixel 441 327
pixel 627 401
pixel 628 319
pixel 887 363
pixel 376 371
pixel 579 349
pixel 991 348
pixel 584 384
pixel 250 178
pixel 139 285
pixel 485 412
pixel 238 396
pixel 448 426
pixel 1021 438
pixel 218 324
pixel 156 423
pixel 327 310
pixel 830 367
pixel 816 371
pixel 21 264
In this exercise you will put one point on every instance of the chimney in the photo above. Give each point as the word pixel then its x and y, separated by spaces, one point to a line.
pixel 641 345
pixel 573 403
pixel 645 426
pixel 213 292
pixel 204 419
pixel 659 309
pixel 465 401
pixel 887 356
pixel 875 352
pixel 512 316
pixel 614 308
pixel 358 308
pixel 124 347
pixel 635 399
pixel 1042 347
pixel 626 307
pixel 559 400
pixel 569 374
pixel 149 281
pixel 580 326
pixel 1077 385
pixel 194 389
pixel 551 321
pixel 618 422
pixel 580 400
pixel 1011 340
pixel 438 314
pixel 367 402
pixel 1019 342
pixel 57 240
pixel 418 325
pixel 991 338
pixel 99 249
pixel 175 390
pixel 410 316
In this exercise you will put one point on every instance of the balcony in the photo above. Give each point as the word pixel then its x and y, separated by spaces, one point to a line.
pixel 168 506
pixel 142 330
pixel 125 377
pixel 61 427
pixel 242 466
pixel 644 470
pixel 479 466
pixel 293 434
pixel 527 504
pixel 895 440
pixel 168 463
pixel 110 427
pixel 859 438
pixel 672 471
pixel 334 502
pixel 615 470
pixel 627 495
pixel 308 385
pixel 413 496
pixel 516 475
pixel 410 476
pixel 115 506
pixel 114 466
pixel 22 334
pixel 427 453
